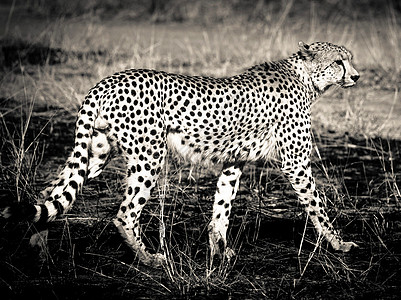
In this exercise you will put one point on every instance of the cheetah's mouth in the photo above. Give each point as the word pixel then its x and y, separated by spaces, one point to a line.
pixel 344 84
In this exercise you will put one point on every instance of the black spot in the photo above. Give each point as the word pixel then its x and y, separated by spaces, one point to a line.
pixel 81 172
pixel 73 184
pixel 232 183
pixel 67 196
pixel 44 214
pixel 59 207
pixel 227 172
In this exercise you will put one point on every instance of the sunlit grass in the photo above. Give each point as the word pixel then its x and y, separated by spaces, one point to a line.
pixel 220 50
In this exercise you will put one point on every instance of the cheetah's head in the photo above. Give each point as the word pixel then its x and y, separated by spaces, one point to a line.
pixel 328 64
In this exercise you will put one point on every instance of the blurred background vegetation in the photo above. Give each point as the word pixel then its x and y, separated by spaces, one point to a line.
pixel 79 42
pixel 202 11
pixel 52 52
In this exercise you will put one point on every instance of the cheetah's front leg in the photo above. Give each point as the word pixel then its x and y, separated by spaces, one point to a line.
pixel 300 176
pixel 227 187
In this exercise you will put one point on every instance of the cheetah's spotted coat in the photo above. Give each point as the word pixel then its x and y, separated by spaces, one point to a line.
pixel 261 113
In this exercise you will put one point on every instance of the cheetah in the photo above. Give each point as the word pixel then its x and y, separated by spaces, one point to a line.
pixel 259 115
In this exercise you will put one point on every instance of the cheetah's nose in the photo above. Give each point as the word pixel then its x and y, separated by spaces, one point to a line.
pixel 355 78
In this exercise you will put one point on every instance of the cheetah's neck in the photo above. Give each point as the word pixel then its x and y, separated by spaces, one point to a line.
pixel 299 68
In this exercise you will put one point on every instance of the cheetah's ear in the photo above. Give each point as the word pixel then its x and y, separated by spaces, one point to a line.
pixel 304 51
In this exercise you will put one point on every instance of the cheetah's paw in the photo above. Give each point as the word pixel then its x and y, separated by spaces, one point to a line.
pixel 346 246
pixel 156 260
pixel 229 253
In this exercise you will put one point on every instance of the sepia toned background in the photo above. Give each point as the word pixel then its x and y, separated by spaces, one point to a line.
pixel 53 52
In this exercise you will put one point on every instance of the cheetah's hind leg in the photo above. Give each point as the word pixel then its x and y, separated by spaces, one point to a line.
pixel 141 178
pixel 102 151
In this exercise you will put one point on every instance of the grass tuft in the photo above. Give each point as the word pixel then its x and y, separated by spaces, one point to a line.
pixel 48 67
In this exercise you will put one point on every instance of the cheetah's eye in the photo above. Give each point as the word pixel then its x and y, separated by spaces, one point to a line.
pixel 339 62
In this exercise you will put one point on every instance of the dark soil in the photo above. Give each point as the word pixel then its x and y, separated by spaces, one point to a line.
pixel 86 257
pixel 19 52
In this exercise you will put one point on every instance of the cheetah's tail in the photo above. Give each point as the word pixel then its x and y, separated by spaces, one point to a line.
pixel 21 211
pixel 62 192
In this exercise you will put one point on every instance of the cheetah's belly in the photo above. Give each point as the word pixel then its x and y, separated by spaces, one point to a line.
pixel 227 148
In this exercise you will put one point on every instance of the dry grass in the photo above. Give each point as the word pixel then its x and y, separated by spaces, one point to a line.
pixel 94 48
pixel 220 50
